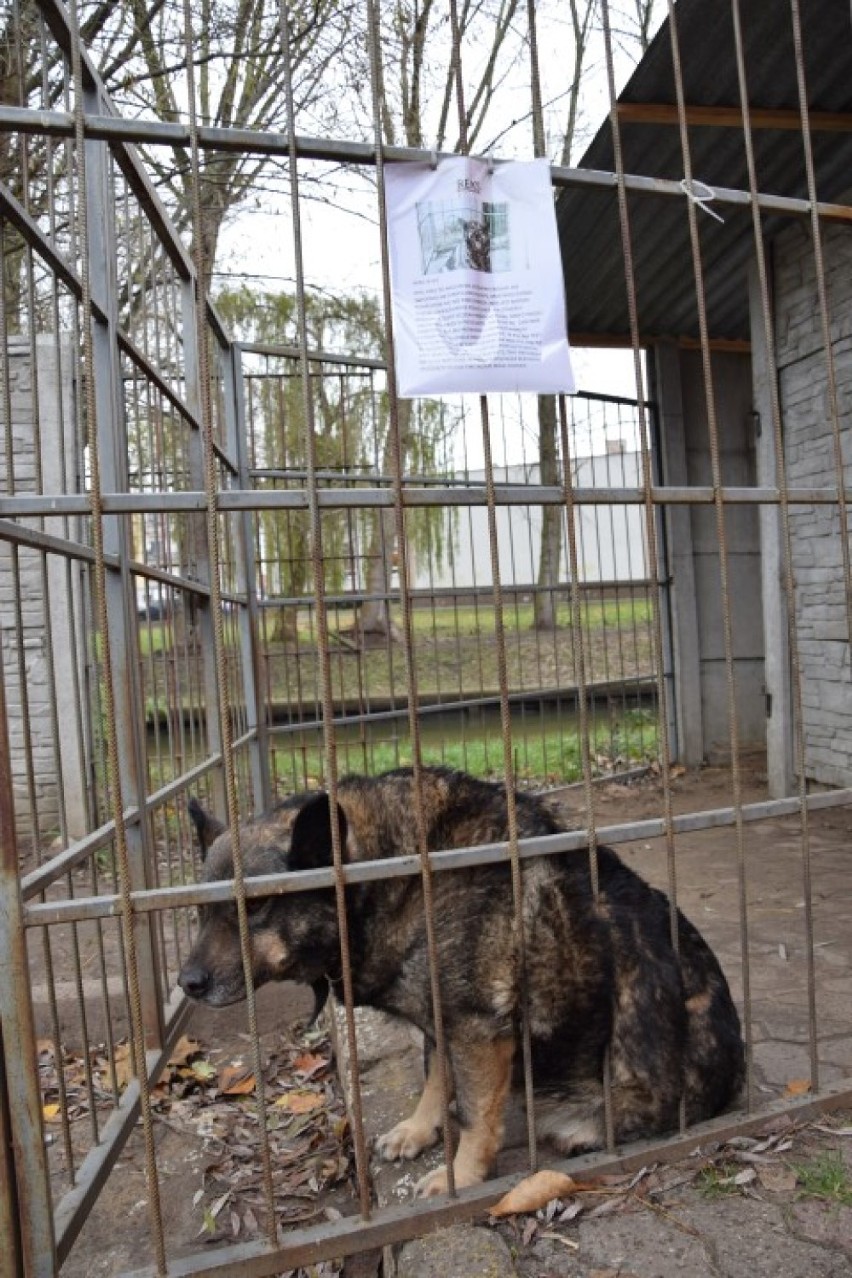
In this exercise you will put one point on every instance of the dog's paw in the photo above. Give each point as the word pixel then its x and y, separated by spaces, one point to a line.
pixel 406 1140
pixel 437 1181
pixel 433 1184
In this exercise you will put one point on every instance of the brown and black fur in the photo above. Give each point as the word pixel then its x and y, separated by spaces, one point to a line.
pixel 601 972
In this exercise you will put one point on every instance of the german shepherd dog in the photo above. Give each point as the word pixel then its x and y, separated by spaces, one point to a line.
pixel 602 976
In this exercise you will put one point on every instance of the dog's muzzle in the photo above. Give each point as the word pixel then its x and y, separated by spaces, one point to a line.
pixel 194 980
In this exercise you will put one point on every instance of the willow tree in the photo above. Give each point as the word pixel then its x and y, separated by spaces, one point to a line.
pixel 351 419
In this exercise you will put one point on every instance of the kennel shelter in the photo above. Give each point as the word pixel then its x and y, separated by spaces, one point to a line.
pixel 234 565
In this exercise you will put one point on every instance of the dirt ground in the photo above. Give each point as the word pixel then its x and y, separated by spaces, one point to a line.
pixel 210 1195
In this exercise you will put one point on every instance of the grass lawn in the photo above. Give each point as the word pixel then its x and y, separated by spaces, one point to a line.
pixel 544 751
pixel 456 654
pixel 455 659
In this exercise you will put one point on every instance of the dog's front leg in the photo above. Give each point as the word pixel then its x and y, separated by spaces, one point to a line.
pixel 483 1075
pixel 420 1131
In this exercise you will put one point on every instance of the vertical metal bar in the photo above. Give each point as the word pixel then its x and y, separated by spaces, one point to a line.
pixel 398 529
pixel 200 559
pixel 11 1258
pixel 212 526
pixel 316 543
pixel 17 1041
pixel 249 621
pixel 647 479
pixel 721 530
pixel 112 446
pixel 775 529
pixel 102 395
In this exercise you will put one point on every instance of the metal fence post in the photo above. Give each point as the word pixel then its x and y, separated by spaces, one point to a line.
pixel 121 601
pixel 250 616
pixel 25 1193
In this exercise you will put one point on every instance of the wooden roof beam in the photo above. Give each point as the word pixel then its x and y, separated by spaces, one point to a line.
pixel 724 117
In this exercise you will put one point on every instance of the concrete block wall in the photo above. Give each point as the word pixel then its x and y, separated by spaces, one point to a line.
pixel 38 607
pixel 821 611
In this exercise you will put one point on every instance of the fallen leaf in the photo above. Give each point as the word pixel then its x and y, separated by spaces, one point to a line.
pixel 123 1062
pixel 203 1071
pixel 798 1087
pixel 607 1207
pixel 300 1102
pixel 530 1231
pixel 184 1049
pixel 560 1238
pixel 308 1063
pixel 534 1192
pixel 236 1080
pixel 50 1112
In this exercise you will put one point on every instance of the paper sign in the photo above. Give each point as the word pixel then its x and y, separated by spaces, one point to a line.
pixel 476 278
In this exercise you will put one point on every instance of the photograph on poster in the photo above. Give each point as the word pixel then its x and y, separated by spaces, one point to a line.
pixel 464 234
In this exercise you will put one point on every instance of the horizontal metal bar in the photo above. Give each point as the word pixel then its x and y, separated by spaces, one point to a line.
pixel 73 1208
pixel 52 912
pixel 44 247
pixel 11 208
pixel 451 594
pixel 40 879
pixel 418 1217
pixel 441 705
pixel 257 142
pixel 240 499
pixel 50 543
pixel 596 178
pixel 314 357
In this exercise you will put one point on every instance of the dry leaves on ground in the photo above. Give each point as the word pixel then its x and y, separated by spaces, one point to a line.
pixel 214 1100
pixel 307 1132
pixel 549 1202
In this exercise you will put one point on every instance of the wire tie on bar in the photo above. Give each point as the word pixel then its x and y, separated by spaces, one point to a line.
pixel 702 198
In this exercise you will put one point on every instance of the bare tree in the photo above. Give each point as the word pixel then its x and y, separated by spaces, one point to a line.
pixel 235 46
pixel 584 15
pixel 417 69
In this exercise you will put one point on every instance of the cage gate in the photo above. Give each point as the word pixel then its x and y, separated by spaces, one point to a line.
pixel 236 566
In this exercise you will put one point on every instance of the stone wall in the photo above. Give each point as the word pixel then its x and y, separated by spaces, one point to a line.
pixel 821 611
pixel 40 599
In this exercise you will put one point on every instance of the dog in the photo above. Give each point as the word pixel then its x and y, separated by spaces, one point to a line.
pixel 601 974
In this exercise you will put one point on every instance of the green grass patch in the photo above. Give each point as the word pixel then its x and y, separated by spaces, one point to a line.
pixel 718 1180
pixel 551 756
pixel 826 1177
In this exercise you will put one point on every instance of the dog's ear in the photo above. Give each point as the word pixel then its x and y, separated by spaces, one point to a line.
pixel 310 842
pixel 207 827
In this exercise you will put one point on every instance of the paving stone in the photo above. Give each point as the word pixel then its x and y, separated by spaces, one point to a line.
pixel 464 1250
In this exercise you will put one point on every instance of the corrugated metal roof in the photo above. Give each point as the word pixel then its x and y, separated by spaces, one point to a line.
pixel 588 219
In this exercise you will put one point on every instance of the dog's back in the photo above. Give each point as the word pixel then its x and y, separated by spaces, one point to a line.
pixel 600 971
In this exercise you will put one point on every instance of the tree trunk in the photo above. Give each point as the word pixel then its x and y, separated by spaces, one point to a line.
pixel 544 604
pixel 375 619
